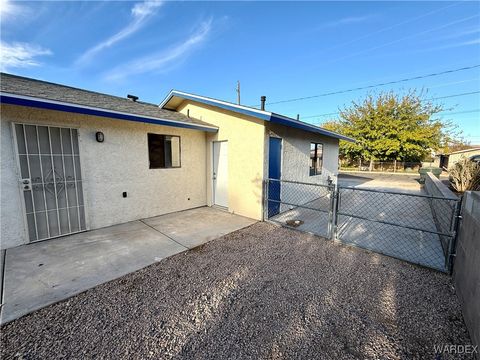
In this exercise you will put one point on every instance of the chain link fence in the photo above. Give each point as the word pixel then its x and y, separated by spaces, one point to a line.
pixel 416 228
pixel 304 206
pixel 397 224
pixel 384 166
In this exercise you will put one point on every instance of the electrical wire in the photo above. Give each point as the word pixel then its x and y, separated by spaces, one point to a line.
pixel 461 112
pixel 441 113
pixel 435 98
pixel 377 85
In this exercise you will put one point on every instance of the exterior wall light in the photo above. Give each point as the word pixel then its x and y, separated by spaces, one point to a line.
pixel 99 136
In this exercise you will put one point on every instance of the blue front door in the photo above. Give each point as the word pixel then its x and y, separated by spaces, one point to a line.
pixel 274 173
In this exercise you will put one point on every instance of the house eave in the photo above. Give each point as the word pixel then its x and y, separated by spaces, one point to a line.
pixel 286 121
pixel 29 101
pixel 245 110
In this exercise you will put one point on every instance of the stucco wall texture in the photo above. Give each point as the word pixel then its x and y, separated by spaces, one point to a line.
pixel 121 164
pixel 296 154
pixel 245 136
pixel 118 164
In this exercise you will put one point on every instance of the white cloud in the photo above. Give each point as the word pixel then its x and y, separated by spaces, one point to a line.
pixel 164 60
pixel 461 33
pixel 349 20
pixel 20 55
pixel 11 11
pixel 141 13
pixel 445 47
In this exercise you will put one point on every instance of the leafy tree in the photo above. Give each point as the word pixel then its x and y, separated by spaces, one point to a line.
pixel 390 127
pixel 453 144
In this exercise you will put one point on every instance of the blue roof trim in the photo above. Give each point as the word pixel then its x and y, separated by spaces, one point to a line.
pixel 219 104
pixel 307 127
pixel 78 109
pixel 263 115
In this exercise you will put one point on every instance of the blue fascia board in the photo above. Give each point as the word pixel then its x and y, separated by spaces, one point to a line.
pixel 310 128
pixel 78 109
pixel 267 116
pixel 218 104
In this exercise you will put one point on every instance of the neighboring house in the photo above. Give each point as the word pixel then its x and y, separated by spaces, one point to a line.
pixel 446 161
pixel 74 160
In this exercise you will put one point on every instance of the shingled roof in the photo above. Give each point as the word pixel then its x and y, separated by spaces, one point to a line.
pixel 18 88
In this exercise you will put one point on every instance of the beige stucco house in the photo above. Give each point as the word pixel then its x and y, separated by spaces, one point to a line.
pixel 74 160
pixel 446 161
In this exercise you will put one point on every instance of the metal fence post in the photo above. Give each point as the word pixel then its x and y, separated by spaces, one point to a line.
pixel 334 204
pixel 455 225
pixel 265 199
pixel 331 189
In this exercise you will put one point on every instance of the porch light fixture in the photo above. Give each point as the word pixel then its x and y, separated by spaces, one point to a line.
pixel 99 136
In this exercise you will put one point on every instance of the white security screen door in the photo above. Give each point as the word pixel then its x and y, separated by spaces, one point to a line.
pixel 220 173
pixel 51 180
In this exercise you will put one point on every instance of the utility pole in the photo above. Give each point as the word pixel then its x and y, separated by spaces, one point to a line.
pixel 238 92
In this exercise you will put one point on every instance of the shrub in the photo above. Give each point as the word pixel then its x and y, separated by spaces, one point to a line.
pixel 465 175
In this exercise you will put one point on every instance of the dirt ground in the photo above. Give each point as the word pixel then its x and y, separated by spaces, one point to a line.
pixel 263 292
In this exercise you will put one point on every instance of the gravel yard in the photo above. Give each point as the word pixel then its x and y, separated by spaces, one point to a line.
pixel 260 292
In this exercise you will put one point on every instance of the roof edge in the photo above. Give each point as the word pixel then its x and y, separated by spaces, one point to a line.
pixel 465 150
pixel 36 102
pixel 287 121
pixel 246 110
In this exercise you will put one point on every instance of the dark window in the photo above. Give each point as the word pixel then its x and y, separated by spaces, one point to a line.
pixel 163 151
pixel 316 158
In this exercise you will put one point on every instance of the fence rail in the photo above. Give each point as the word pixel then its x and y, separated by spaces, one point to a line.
pixel 399 166
pixel 413 227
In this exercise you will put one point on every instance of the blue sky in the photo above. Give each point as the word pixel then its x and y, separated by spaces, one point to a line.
pixel 283 50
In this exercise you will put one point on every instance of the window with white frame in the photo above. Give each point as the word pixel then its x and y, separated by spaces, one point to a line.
pixel 316 158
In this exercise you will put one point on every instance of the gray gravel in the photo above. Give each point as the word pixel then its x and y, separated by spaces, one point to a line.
pixel 261 292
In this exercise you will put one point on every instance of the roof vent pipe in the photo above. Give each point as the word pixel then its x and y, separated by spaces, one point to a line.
pixel 132 97
pixel 298 116
pixel 262 102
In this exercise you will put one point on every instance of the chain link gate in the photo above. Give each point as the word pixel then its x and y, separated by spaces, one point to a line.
pixel 304 206
pixel 417 228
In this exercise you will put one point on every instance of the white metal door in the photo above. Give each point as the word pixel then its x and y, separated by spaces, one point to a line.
pixel 220 173
pixel 51 180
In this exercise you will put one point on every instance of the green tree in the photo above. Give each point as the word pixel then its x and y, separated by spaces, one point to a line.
pixel 390 127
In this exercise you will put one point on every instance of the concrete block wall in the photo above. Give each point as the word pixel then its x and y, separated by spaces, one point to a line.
pixel 466 272
pixel 443 209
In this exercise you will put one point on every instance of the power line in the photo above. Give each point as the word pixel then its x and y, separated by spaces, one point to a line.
pixel 450 113
pixel 435 98
pixel 462 112
pixel 377 85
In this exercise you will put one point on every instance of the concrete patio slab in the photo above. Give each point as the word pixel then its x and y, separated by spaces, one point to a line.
pixel 209 224
pixel 39 274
